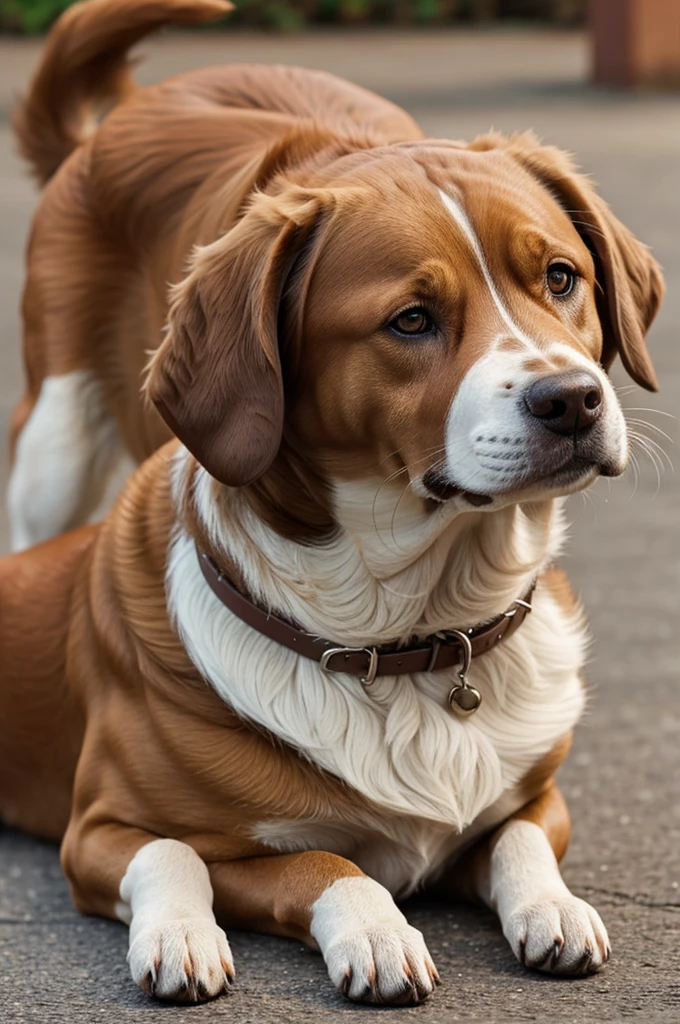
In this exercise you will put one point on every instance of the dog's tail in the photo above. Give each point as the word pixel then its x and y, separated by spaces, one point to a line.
pixel 85 68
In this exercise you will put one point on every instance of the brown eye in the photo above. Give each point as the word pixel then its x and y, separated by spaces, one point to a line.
pixel 413 322
pixel 561 279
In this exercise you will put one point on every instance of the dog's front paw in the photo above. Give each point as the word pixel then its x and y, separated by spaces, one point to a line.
pixel 562 936
pixel 372 953
pixel 184 959
pixel 382 965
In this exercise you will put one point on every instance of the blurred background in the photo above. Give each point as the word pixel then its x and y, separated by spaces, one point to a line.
pixel 598 78
pixel 36 15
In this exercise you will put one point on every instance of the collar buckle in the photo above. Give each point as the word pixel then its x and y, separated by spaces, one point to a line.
pixel 373 658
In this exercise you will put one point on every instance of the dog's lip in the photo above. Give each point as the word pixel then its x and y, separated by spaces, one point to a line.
pixel 574 470
pixel 439 486
pixel 569 473
pixel 478 500
pixel 443 489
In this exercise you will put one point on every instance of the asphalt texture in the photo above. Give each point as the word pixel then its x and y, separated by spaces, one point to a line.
pixel 622 779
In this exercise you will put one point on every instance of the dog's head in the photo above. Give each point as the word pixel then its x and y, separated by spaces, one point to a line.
pixel 450 309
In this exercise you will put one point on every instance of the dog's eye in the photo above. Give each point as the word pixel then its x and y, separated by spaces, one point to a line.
pixel 412 323
pixel 561 279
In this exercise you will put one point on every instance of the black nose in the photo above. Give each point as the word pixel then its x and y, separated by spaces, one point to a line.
pixel 565 402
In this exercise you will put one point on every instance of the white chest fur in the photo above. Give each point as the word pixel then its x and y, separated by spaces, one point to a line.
pixel 432 774
pixel 399 851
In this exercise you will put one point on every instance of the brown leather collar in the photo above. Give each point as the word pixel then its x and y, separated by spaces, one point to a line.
pixel 444 649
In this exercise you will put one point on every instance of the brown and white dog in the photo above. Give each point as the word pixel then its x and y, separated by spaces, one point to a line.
pixel 385 365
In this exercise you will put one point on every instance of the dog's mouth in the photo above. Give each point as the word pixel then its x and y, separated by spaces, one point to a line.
pixel 573 475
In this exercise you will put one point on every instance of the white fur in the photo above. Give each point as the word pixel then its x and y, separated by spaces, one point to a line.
pixel 177 949
pixel 385 577
pixel 546 926
pixel 492 446
pixel 395 569
pixel 69 455
pixel 463 221
pixel 396 850
pixel 371 951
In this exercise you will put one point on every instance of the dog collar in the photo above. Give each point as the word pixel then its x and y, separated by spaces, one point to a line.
pixel 441 650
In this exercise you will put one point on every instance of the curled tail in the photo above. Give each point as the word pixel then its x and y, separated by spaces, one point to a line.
pixel 85 66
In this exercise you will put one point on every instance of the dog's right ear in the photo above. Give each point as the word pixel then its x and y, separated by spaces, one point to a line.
pixel 216 378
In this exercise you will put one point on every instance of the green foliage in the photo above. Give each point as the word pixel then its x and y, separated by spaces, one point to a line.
pixel 288 15
pixel 30 15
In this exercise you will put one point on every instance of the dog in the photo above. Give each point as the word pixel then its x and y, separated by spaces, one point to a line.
pixel 318 655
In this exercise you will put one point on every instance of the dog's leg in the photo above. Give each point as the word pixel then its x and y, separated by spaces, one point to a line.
pixel 65 453
pixel 177 950
pixel 372 953
pixel 162 890
pixel 515 871
pixel 65 440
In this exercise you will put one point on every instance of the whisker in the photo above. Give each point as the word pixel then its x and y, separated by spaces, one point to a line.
pixel 643 441
pixel 591 227
pixel 590 500
pixel 582 213
pixel 662 453
pixel 653 458
pixel 651 426
pixel 434 449
pixel 636 474
pixel 390 456
pixel 394 513
pixel 393 476
pixel 389 479
pixel 659 412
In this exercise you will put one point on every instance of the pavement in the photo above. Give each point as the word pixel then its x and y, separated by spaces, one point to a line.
pixel 622 779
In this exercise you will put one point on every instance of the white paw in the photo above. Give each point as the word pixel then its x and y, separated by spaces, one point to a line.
pixel 372 953
pixel 561 935
pixel 186 959
pixel 385 964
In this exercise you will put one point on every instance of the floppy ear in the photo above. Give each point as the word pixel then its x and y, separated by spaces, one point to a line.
pixel 216 378
pixel 630 281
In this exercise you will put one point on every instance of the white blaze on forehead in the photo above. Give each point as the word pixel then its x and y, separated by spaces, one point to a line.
pixel 463 221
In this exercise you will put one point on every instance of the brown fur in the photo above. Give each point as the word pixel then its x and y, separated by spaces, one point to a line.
pixel 302 167
pixel 136 723
pixel 309 197
pixel 85 64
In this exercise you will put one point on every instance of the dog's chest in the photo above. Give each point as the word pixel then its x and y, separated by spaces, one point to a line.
pixel 400 746
pixel 427 776
pixel 401 853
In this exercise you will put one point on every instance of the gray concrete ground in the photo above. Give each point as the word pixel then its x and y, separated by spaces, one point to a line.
pixel 622 778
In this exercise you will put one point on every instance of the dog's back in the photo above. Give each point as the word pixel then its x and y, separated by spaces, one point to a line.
pixel 85 65
pixel 169 168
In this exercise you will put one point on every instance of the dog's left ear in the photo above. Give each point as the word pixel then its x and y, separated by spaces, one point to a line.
pixel 216 379
pixel 630 280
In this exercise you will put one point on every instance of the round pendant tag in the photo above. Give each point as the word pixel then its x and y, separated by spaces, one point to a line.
pixel 464 700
